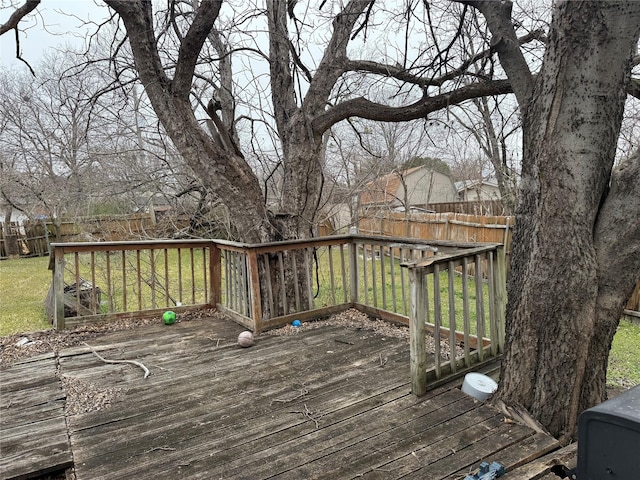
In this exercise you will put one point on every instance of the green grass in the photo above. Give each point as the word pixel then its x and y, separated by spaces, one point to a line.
pixel 23 288
pixel 624 361
pixel 393 288
pixel 156 289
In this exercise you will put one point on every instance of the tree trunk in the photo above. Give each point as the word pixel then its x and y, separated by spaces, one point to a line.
pixel 561 313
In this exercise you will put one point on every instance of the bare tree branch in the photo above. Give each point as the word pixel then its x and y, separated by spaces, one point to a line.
pixel 19 14
pixel 505 42
pixel 331 66
pixel 191 45
pixel 405 75
pixel 364 108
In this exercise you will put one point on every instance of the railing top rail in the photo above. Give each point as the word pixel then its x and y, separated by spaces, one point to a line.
pixel 350 238
pixel 80 247
pixel 397 242
pixel 130 243
pixel 333 239
pixel 448 257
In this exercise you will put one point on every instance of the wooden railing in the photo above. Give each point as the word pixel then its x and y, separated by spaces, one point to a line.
pixel 479 336
pixel 104 280
pixel 454 291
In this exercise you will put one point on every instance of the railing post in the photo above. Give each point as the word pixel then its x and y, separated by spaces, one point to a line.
pixel 501 294
pixel 58 289
pixel 254 291
pixel 353 270
pixel 215 275
pixel 417 349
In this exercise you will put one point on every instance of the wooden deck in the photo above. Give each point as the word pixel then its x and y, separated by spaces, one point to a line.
pixel 33 430
pixel 332 402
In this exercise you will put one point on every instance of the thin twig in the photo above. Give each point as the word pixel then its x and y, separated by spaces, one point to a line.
pixel 133 362
pixel 302 393
pixel 309 414
pixel 166 449
pixel 383 360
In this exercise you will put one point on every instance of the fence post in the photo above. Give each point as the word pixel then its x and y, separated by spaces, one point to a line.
pixel 58 289
pixel 254 289
pixel 215 274
pixel 417 349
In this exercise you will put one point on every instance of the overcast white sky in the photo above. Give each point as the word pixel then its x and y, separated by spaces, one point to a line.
pixel 54 23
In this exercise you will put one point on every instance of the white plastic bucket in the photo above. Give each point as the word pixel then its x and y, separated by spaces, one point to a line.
pixel 478 386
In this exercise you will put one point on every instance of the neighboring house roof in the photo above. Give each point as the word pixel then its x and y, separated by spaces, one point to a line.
pixel 467 184
pixel 385 189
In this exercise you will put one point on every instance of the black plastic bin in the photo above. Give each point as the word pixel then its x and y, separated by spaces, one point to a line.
pixel 609 439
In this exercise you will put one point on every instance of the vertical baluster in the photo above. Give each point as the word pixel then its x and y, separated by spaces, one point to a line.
pixel 227 279
pixel 109 284
pixel 332 277
pixel 365 283
pixel 267 273
pixel 479 307
pixel 354 272
pixel 392 270
pixel 374 279
pixel 152 264
pixel 205 287
pixel 296 283
pixel 452 317
pixel 94 295
pixel 343 271
pixel 383 279
pixel 139 278
pixel 167 288
pixel 465 311
pixel 437 318
pixel 308 270
pixel 403 254
pixel 193 276
pixel 180 286
pixel 76 264
pixel 124 281
pixel 283 285
pixel 215 273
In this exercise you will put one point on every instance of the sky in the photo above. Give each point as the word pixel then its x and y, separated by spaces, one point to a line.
pixel 54 23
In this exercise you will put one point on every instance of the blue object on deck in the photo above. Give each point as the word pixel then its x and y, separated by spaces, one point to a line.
pixel 487 472
pixel 296 323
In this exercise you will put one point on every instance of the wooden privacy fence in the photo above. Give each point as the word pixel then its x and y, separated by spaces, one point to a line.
pixel 454 227
pixel 453 291
pixel 29 239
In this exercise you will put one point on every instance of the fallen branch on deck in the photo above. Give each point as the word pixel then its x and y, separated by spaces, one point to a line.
pixel 133 362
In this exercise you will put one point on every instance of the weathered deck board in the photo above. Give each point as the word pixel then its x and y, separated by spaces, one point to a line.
pixel 332 402
pixel 33 430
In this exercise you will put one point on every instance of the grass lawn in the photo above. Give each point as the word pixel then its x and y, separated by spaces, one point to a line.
pixel 624 361
pixel 24 284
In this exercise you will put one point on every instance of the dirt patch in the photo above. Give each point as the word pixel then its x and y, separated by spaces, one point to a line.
pixel 356 319
pixel 84 397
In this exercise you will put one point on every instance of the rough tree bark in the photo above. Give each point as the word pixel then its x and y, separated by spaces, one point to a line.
pixel 229 176
pixel 576 246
